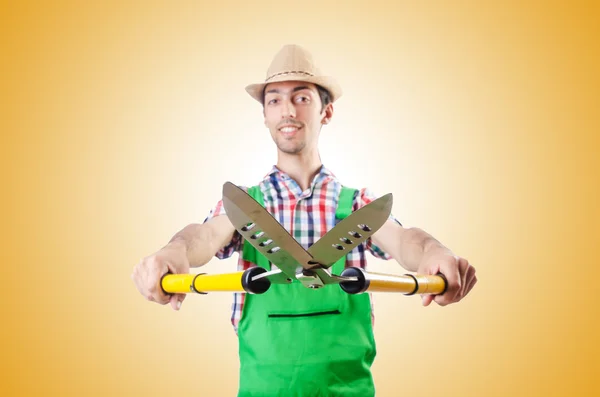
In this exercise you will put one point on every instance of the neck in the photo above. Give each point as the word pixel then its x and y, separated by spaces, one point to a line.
pixel 301 167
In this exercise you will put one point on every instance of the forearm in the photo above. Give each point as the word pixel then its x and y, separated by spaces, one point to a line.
pixel 194 240
pixel 408 246
pixel 202 241
pixel 414 245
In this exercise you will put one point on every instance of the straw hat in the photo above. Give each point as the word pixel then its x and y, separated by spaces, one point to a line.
pixel 294 63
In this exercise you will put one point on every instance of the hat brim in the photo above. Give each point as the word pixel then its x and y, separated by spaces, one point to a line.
pixel 329 83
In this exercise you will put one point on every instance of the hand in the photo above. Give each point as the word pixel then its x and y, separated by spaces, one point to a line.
pixel 459 274
pixel 148 273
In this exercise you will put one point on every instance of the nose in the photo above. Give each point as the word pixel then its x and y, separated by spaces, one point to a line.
pixel 288 111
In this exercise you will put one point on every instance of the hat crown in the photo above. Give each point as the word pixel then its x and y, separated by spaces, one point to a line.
pixel 294 63
pixel 292 59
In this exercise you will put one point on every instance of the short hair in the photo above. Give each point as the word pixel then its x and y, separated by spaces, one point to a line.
pixel 323 94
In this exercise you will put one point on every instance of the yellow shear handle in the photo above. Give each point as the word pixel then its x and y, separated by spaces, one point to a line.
pixel 199 283
pixel 203 283
pixel 377 282
pixel 407 284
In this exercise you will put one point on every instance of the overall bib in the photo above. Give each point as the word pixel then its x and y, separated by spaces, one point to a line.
pixel 300 342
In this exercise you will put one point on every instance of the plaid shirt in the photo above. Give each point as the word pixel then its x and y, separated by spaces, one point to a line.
pixel 306 215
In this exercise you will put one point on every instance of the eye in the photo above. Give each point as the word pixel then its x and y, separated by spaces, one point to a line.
pixel 272 101
pixel 302 99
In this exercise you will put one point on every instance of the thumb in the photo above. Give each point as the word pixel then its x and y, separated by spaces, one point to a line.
pixel 176 301
pixel 426 299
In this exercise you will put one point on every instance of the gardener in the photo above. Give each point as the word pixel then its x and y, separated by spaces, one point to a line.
pixel 295 341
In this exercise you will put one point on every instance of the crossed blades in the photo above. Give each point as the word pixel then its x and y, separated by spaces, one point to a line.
pixel 310 267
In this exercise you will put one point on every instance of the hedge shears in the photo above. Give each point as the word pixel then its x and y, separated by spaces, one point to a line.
pixel 310 267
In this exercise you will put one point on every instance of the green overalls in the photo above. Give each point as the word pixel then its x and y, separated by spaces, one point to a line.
pixel 299 342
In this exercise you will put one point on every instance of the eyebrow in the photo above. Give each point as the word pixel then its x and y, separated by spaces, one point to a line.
pixel 300 88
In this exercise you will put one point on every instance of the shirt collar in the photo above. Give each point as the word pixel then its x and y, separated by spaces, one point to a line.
pixel 323 172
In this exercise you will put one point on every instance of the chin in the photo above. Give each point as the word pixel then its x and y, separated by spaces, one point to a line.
pixel 290 149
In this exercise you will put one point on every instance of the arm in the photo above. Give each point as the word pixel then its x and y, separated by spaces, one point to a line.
pixel 406 246
pixel 417 251
pixel 193 246
pixel 202 241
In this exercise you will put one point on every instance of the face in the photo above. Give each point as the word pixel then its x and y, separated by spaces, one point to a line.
pixel 294 116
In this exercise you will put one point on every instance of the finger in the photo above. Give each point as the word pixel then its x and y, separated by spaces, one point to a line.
pixel 141 286
pixel 453 278
pixel 463 268
pixel 470 277
pixel 472 283
pixel 138 276
pixel 426 299
pixel 158 293
pixel 176 301
pixel 154 287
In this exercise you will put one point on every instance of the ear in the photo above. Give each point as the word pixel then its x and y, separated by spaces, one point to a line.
pixel 327 114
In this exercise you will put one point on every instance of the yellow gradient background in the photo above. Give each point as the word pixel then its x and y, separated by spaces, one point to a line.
pixel 120 123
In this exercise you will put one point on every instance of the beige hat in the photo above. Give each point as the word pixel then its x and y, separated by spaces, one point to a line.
pixel 294 63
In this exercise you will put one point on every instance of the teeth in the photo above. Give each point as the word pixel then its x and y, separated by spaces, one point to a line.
pixel 289 129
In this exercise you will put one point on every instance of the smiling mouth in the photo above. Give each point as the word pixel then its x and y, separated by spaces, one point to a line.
pixel 289 129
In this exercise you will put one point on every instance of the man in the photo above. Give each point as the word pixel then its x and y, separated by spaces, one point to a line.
pixel 295 341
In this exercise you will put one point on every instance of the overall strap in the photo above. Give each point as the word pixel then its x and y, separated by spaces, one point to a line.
pixel 346 199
